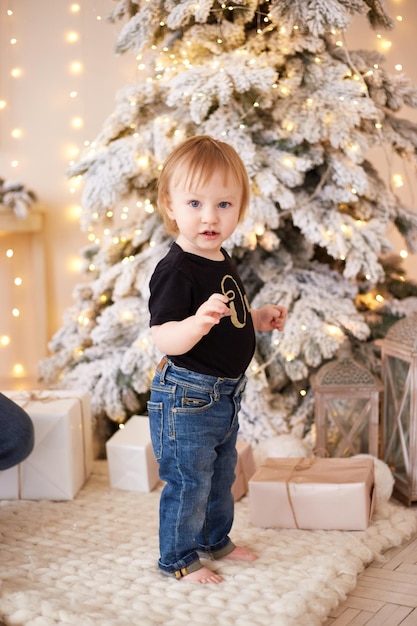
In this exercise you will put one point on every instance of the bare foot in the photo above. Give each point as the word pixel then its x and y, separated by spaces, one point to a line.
pixel 204 575
pixel 241 554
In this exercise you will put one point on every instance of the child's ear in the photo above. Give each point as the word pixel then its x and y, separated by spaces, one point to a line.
pixel 168 208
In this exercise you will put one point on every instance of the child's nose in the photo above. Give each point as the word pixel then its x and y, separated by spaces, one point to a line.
pixel 209 215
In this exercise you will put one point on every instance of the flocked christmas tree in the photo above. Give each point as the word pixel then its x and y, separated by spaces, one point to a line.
pixel 275 80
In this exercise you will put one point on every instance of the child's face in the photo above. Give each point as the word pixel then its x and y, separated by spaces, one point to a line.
pixel 206 213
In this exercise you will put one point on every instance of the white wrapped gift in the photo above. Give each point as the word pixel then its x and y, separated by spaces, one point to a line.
pixel 313 493
pixel 131 461
pixel 245 469
pixel 61 459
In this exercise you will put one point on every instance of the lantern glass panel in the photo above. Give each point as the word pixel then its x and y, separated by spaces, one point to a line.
pixel 397 426
pixel 347 426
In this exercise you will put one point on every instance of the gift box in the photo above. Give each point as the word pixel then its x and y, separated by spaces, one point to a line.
pixel 85 398
pixel 245 469
pixel 313 493
pixel 131 461
pixel 61 459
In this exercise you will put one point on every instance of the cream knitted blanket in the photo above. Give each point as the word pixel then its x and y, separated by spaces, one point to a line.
pixel 92 562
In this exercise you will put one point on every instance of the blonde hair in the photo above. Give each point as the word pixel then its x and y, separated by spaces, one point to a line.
pixel 202 156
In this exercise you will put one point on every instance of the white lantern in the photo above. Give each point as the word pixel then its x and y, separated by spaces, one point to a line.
pixel 346 400
pixel 399 422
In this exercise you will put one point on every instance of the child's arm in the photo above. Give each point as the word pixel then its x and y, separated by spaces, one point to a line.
pixel 179 337
pixel 269 317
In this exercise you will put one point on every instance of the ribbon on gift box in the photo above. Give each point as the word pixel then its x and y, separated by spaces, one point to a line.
pixel 23 398
pixel 305 482
pixel 291 470
pixel 297 465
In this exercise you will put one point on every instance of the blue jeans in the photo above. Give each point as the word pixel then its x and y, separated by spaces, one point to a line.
pixel 194 424
pixel 17 435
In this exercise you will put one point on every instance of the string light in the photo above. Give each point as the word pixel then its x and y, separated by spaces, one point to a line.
pixel 333 331
pixel 72 37
pixel 18 370
pixel 76 67
pixel 397 180
pixel 77 122
pixel 4 340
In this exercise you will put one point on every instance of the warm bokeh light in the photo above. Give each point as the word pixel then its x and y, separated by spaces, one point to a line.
pixel 76 67
pixel 74 212
pixel 18 370
pixel 74 265
pixel 77 122
pixel 72 37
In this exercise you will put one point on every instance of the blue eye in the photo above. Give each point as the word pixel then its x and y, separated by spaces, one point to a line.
pixel 194 204
pixel 224 205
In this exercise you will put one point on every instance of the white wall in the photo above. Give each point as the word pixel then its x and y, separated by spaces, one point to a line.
pixel 39 103
pixel 399 47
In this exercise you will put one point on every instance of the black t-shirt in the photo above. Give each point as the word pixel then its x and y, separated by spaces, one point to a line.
pixel 180 283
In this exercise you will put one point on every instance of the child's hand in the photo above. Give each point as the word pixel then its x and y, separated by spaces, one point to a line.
pixel 269 317
pixel 211 312
pixel 179 337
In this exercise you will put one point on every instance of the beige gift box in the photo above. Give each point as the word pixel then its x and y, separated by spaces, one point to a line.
pixel 313 493
pixel 131 461
pixel 245 469
pixel 61 460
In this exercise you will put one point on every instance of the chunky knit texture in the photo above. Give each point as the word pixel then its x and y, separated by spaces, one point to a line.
pixel 92 561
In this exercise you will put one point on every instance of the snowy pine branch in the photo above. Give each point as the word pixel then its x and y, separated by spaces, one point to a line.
pixel 16 197
pixel 276 80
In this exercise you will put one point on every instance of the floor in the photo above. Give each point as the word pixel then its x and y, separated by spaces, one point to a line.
pixel 386 593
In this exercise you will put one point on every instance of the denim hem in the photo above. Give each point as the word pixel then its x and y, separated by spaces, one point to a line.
pixel 217 553
pixel 181 571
